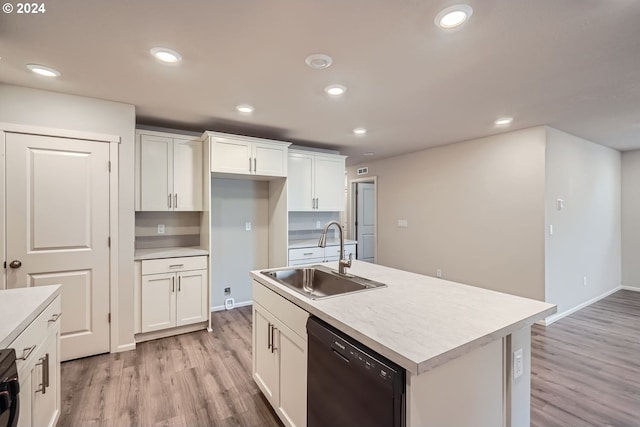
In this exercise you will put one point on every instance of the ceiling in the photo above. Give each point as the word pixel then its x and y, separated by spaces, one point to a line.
pixel 570 64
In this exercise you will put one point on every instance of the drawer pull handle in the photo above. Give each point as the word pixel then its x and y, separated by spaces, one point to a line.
pixel 26 352
pixel 44 362
pixel 307 253
pixel 55 317
pixel 176 265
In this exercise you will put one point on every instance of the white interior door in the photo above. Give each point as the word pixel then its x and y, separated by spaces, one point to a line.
pixel 366 221
pixel 57 200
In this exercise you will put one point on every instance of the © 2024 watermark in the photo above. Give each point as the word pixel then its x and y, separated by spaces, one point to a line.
pixel 24 8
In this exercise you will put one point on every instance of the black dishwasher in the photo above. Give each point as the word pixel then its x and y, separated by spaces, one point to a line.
pixel 350 385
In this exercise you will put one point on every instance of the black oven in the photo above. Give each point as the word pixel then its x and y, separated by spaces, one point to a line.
pixel 9 389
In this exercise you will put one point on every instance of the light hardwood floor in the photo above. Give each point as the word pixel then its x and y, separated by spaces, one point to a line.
pixel 585 372
pixel 586 367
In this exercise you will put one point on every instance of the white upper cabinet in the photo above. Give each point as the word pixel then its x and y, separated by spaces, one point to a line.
pixel 168 172
pixel 241 155
pixel 316 181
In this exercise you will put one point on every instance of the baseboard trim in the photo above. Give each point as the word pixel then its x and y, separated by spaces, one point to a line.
pixel 236 305
pixel 631 288
pixel 551 319
pixel 164 333
pixel 126 347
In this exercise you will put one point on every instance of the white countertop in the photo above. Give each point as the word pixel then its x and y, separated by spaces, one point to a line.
pixel 156 253
pixel 310 243
pixel 419 322
pixel 20 307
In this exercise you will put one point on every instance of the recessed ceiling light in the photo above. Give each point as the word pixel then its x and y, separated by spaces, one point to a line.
pixel 335 90
pixel 453 16
pixel 165 55
pixel 502 121
pixel 359 131
pixel 369 153
pixel 319 61
pixel 43 71
pixel 245 108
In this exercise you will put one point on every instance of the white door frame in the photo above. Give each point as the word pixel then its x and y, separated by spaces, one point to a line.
pixel 113 141
pixel 352 209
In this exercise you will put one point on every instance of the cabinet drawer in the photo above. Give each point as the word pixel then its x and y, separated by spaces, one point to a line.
pixel 31 338
pixel 168 265
pixel 294 262
pixel 306 253
pixel 287 312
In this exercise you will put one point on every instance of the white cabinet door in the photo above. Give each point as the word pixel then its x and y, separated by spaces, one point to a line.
pixel 158 301
pixel 292 376
pixel 269 159
pixel 300 182
pixel 45 378
pixel 329 183
pixel 265 358
pixel 191 304
pixel 156 173
pixel 230 155
pixel 187 175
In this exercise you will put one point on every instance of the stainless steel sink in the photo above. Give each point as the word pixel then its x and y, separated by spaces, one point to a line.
pixel 317 281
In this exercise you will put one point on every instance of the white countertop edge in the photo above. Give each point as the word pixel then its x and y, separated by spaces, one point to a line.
pixel 313 243
pixel 412 366
pixel 172 252
pixel 54 291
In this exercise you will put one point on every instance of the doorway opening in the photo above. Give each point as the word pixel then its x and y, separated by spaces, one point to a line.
pixel 364 217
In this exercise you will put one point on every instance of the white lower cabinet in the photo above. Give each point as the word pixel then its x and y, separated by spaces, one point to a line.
pixel 280 354
pixel 38 352
pixel 316 255
pixel 173 293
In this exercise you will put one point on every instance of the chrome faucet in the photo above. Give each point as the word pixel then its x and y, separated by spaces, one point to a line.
pixel 343 264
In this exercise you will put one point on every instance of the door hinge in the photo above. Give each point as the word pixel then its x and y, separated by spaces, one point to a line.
pixel 5 264
pixel 109 241
pixel 109 317
pixel 109 165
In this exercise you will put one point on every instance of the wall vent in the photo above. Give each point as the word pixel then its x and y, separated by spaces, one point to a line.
pixel 363 171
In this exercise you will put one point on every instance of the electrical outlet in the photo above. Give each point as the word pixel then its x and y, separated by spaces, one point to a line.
pixel 160 228
pixel 227 291
pixel 438 273
pixel 518 364
pixel 403 223
pixel 247 226
pixel 318 224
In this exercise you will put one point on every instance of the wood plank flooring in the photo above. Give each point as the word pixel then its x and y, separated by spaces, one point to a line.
pixel 197 379
pixel 585 372
pixel 586 367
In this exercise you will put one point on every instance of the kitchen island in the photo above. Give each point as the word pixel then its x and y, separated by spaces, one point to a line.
pixel 456 342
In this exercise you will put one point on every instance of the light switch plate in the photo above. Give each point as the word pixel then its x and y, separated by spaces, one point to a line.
pixel 247 226
pixel 403 223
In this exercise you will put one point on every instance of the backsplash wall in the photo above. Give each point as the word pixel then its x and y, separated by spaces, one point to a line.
pixel 181 229
pixel 303 225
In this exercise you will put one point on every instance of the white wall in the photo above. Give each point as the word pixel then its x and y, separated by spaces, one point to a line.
pixel 631 219
pixel 475 210
pixel 234 250
pixel 48 109
pixel 586 240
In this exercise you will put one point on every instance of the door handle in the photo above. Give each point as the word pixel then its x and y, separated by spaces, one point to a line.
pixel 173 284
pixel 249 164
pixel 269 337
pixel 26 352
pixel 255 165
pixel 179 283
pixel 175 201
pixel 44 362
pixel 16 263
pixel 169 200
